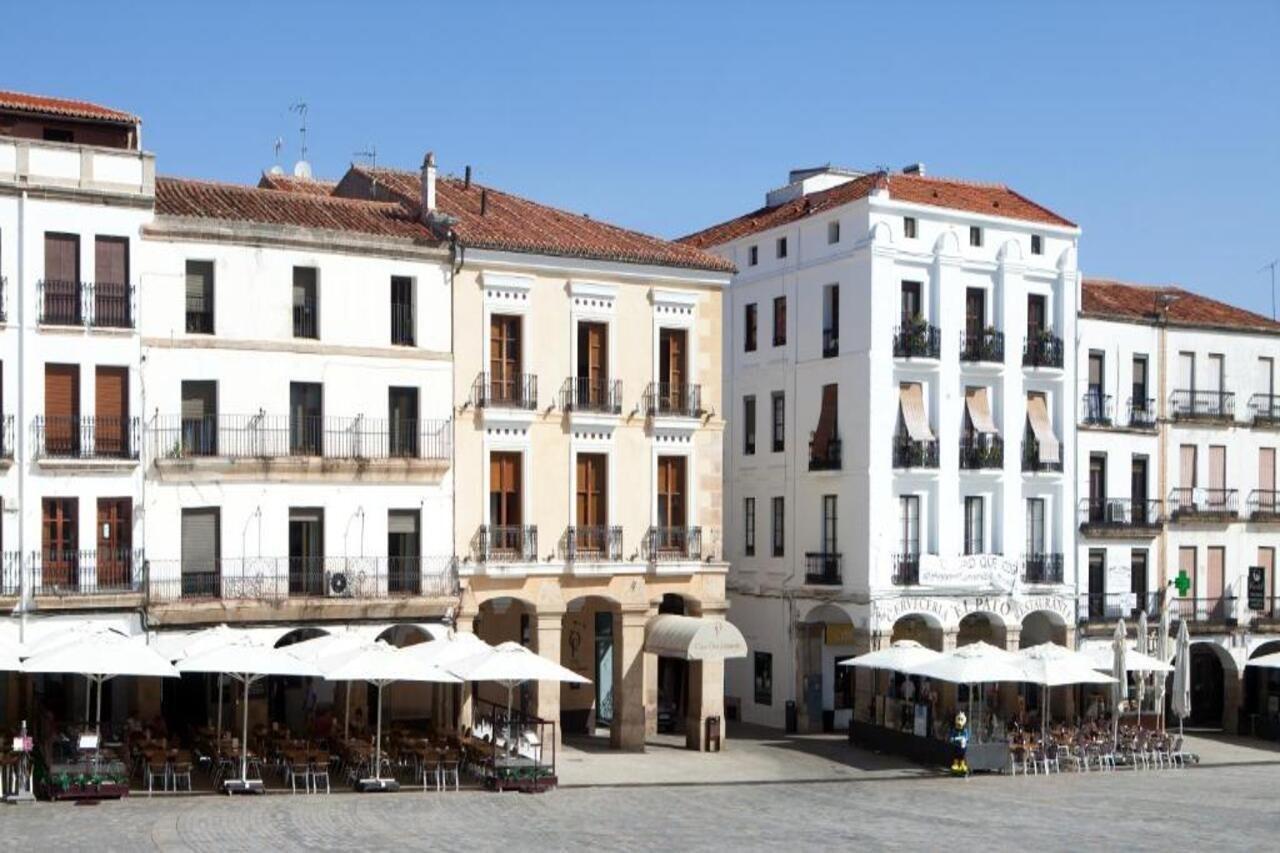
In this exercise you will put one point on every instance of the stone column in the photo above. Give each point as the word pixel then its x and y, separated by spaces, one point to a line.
pixel 547 695
pixel 633 711
pixel 1232 699
pixel 1009 690
pixel 948 693
pixel 461 715
pixel 706 699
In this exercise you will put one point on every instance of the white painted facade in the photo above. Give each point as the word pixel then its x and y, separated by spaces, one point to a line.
pixel 805 624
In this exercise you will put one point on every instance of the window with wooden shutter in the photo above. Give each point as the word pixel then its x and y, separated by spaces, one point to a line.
pixel 199 297
pixel 592 514
pixel 505 366
pixel 671 368
pixel 60 288
pixel 115 543
pixel 201 550
pixel 60 543
pixel 200 417
pixel 111 412
pixel 62 409
pixel 671 491
pixel 504 489
pixel 111 303
pixel 593 366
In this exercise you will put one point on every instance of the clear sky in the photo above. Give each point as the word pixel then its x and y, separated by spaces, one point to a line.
pixel 1156 126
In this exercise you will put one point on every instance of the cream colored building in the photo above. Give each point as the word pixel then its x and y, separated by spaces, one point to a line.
pixel 588 450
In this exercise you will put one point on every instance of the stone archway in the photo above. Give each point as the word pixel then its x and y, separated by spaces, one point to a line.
pixel 1262 693
pixel 825 638
pixel 1212 673
pixel 923 629
pixel 981 626
pixel 1042 626
pixel 587 637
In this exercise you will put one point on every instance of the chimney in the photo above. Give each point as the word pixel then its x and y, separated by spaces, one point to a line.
pixel 466 183
pixel 428 184
pixel 484 201
pixel 914 169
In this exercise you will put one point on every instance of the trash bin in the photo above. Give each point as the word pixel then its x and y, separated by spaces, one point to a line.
pixel 828 721
pixel 793 721
pixel 712 742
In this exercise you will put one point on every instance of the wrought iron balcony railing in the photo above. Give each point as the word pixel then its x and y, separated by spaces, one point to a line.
pixel 822 568
pixel 72 437
pixel 981 452
pixel 1191 503
pixel 510 392
pixel 1110 606
pixel 914 454
pixel 1120 513
pixel 1042 568
pixel 673 544
pixel 1042 349
pixel 987 345
pixel 1217 610
pixel 681 400
pixel 825 459
pixel 1203 405
pixel 830 343
pixel 264 436
pixel 583 394
pixel 61 302
pixel 906 569
pixel 917 340
pixel 306 321
pixel 112 304
pixel 1142 413
pixel 1264 410
pixel 507 543
pixel 283 578
pixel 1095 409
pixel 1031 460
pixel 593 543
pixel 1264 505
pixel 54 573
pixel 199 316
pixel 401 324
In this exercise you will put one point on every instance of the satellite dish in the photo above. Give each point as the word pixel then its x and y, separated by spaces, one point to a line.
pixel 302 169
pixel 276 170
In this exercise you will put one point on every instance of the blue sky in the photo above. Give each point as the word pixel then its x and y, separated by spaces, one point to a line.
pixel 1156 126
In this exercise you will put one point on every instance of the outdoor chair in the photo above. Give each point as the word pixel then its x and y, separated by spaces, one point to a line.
pixel 320 773
pixel 449 765
pixel 295 768
pixel 180 770
pixel 156 765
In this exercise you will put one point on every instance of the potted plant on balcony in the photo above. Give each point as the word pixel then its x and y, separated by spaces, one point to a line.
pixel 915 334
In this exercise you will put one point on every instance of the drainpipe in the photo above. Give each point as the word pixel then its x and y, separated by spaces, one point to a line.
pixel 19 434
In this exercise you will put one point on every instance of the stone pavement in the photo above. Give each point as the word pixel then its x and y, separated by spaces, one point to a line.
pixel 719 802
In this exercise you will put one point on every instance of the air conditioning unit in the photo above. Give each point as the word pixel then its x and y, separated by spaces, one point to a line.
pixel 337 584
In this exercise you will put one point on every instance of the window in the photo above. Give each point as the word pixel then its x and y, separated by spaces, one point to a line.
pixel 404 551
pixel 111 298
pixel 1138 575
pixel 57 134
pixel 912 304
pixel 973 525
pixel 831 321
pixel 306 551
pixel 749 329
pixel 671 500
pixel 200 297
pixel 201 551
pixel 199 417
pixel 830 544
pixel 779 528
pixel 401 311
pixel 60 288
pixel 781 249
pixel 60 543
pixel 1037 318
pixel 506 381
pixel 764 678
pixel 909 227
pixel 115 538
pixel 909 524
pixel 975 236
pixel 1035 526
pixel 306 418
pixel 1037 245
pixel 1140 381
pixel 402 422
pixel 305 318
pixel 749 527
pixel 61 410
pixel 833 231
pixel 111 412
pixel 592 512
pixel 1097 582
pixel 505 505
pixel 749 425
pixel 779 418
pixel 779 321
pixel 753 255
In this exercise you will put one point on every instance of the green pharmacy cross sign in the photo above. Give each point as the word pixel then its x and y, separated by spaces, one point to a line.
pixel 1183 583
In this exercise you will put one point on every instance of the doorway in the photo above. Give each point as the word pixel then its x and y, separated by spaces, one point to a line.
pixel 306 551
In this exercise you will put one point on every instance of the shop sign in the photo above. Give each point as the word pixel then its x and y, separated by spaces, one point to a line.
pixel 974 570
pixel 948 610
pixel 839 634
pixel 1257 588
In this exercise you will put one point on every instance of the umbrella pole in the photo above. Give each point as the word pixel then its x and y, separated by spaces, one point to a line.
pixel 97 754
pixel 509 726
pixel 377 749
pixel 219 737
pixel 244 740
pixel 346 718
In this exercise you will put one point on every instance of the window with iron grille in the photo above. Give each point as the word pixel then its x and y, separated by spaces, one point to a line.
pixel 779 321
pixel 200 297
pixel 973 525
pixel 749 526
pixel 779 530
pixel 779 421
pixel 749 425
pixel 749 328
pixel 306 319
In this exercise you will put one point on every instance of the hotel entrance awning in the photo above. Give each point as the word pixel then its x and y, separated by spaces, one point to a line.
pixel 693 638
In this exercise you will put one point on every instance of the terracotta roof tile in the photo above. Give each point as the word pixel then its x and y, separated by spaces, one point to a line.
pixel 1108 298
pixel 184 197
pixel 63 107
pixel 289 183
pixel 512 223
pixel 990 199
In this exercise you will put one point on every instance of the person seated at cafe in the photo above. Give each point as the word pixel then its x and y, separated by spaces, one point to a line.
pixel 357 722
pixel 322 725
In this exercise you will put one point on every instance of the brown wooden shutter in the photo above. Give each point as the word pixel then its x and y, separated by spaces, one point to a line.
pixel 504 483
pixel 671 509
pixel 61 257
pixel 111 260
pixel 61 391
pixel 826 421
pixel 111 410
pixel 114 541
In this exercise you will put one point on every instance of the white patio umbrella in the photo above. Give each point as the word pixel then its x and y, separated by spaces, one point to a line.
pixel 1162 652
pixel 247 661
pixel 1142 642
pixel 100 656
pixel 1182 675
pixel 511 664
pixel 1050 665
pixel 975 663
pixel 1120 672
pixel 451 650
pixel 318 649
pixel 1271 661
pixel 899 656
pixel 1134 660
pixel 381 664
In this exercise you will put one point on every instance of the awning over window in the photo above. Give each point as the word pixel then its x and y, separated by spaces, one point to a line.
pixel 826 421
pixel 693 638
pixel 911 395
pixel 1038 415
pixel 979 408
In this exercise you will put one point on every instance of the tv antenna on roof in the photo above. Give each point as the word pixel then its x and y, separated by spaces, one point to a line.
pixel 301 169
pixel 1272 266
pixel 370 154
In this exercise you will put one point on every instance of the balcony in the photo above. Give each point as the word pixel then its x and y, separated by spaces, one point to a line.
pixel 276 579
pixel 1209 406
pixel 914 454
pixel 1095 409
pixel 85 438
pixel 597 396
pixel 306 321
pixel 593 544
pixel 199 316
pixel 6 440
pixel 822 569
pixel 112 305
pixel 1120 517
pixel 516 392
pixel 1042 568
pixel 1196 504
pixel 1264 410
pixel 106 305
pixel 60 302
pixel 917 340
pixel 825 459
pixel 1142 413
pixel 1042 349
pixel 1031 461
pixel 673 544
pixel 1264 505
pixel 401 324
pixel 507 543
pixel 906 570
pixel 982 453
pixel 984 346
pixel 62 574
pixel 830 343
pixel 263 437
pixel 667 400
pixel 1205 611
pixel 1111 606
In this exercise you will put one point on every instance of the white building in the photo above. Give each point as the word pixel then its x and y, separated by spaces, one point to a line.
pixel 899 404
pixel 1178 419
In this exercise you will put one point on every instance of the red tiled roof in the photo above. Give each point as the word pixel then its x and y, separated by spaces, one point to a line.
pixel 512 223
pixel 63 107
pixel 184 197
pixel 990 199
pixel 290 183
pixel 1107 298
